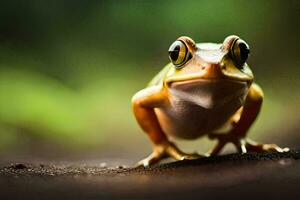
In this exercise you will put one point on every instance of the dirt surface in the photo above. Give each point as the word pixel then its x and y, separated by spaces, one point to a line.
pixel 248 176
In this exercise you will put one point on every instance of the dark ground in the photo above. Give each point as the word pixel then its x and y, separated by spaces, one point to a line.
pixel 234 176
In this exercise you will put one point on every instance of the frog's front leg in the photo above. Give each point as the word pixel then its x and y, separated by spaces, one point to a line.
pixel 246 116
pixel 143 104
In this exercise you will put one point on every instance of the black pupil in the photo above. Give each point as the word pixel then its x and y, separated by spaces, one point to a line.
pixel 244 51
pixel 175 53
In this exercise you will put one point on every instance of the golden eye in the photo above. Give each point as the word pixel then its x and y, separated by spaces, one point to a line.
pixel 179 54
pixel 240 52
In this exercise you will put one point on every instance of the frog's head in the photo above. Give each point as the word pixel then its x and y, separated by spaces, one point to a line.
pixel 219 71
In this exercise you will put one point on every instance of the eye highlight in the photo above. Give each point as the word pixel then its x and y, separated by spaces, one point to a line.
pixel 240 52
pixel 179 54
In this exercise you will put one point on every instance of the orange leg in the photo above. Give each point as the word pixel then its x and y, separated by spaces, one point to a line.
pixel 246 116
pixel 143 104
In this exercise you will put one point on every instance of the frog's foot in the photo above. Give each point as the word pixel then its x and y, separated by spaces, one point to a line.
pixel 243 145
pixel 247 144
pixel 166 150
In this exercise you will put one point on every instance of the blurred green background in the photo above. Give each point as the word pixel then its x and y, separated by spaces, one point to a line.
pixel 68 69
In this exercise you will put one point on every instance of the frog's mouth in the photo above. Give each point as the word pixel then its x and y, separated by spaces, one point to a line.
pixel 210 93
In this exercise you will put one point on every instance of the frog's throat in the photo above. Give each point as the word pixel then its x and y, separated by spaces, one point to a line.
pixel 209 93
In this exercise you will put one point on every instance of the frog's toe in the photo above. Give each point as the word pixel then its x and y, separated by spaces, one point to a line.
pixel 186 156
pixel 166 150
pixel 150 160
pixel 191 157
pixel 266 148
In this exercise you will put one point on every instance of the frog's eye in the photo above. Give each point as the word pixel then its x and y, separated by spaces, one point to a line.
pixel 239 52
pixel 179 54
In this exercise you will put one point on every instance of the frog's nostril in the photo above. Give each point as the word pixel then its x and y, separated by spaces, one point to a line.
pixel 213 70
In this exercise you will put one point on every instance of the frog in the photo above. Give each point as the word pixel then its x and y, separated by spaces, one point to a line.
pixel 207 89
